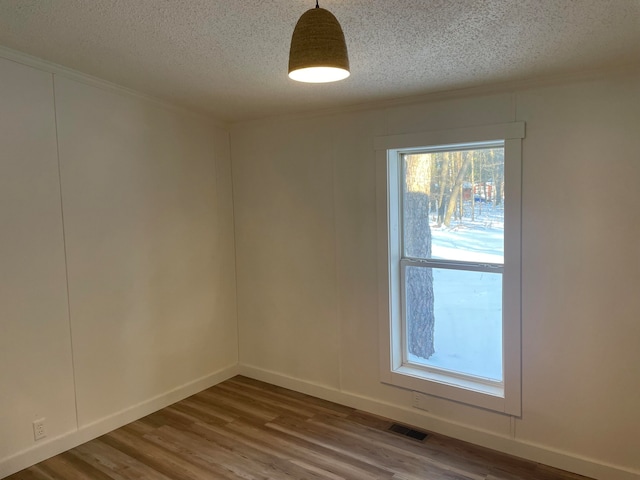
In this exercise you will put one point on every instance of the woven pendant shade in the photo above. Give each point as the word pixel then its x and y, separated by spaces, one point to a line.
pixel 318 51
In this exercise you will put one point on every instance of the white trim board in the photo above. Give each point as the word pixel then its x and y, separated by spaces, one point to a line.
pixel 71 439
pixel 505 444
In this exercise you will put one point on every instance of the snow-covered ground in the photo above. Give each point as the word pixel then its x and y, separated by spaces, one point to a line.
pixel 468 305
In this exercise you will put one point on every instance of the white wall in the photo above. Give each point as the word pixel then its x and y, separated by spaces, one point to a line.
pixel 140 196
pixel 36 372
pixel 140 221
pixel 304 197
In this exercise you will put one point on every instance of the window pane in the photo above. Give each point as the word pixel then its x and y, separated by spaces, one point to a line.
pixel 454 320
pixel 453 205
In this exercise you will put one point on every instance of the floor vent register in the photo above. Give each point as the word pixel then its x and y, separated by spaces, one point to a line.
pixel 407 432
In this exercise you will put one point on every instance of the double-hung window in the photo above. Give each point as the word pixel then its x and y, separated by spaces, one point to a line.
pixel 449 206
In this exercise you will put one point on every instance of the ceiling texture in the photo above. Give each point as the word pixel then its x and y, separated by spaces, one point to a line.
pixel 228 58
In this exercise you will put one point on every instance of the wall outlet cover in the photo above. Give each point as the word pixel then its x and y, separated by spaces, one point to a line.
pixel 39 430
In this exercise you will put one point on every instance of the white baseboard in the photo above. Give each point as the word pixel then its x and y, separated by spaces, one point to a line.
pixel 72 439
pixel 506 444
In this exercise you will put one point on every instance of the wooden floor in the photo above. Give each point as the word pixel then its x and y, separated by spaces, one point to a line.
pixel 245 429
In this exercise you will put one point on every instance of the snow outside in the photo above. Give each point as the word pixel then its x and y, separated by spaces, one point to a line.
pixel 467 305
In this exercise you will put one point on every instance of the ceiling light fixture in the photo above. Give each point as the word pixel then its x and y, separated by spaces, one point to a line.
pixel 318 52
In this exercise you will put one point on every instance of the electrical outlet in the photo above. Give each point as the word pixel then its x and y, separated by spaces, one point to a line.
pixel 39 430
pixel 420 400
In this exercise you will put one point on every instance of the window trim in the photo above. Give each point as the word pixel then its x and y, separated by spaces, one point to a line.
pixel 392 371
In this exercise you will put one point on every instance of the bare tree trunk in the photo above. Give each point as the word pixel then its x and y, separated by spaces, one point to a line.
pixel 473 190
pixel 444 175
pixel 417 238
pixel 499 181
pixel 461 205
pixel 419 281
pixel 457 187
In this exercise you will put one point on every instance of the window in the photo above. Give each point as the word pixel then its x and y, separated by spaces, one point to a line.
pixel 449 215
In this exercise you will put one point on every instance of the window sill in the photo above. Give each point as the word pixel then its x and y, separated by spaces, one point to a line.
pixel 467 391
pixel 493 388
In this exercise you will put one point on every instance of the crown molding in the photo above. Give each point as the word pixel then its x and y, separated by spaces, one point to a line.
pixel 481 90
pixel 55 69
pixel 512 86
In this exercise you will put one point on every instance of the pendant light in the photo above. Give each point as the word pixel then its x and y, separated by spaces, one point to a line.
pixel 318 52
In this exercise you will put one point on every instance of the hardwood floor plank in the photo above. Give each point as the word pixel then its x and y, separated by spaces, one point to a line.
pixel 155 457
pixel 323 473
pixel 249 430
pixel 242 459
pixel 116 464
pixel 318 403
pixel 32 473
pixel 239 409
pixel 70 467
pixel 365 451
pixel 339 463
pixel 278 402
pixel 286 447
pixel 204 405
pixel 199 413
pixel 396 446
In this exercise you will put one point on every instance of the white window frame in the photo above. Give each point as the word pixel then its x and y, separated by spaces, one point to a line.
pixel 505 397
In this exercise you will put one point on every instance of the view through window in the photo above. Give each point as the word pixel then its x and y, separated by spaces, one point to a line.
pixel 452 259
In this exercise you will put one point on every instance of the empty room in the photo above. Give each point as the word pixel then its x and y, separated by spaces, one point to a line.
pixel 320 240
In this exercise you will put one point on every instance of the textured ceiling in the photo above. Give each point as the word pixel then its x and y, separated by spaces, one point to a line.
pixel 228 58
